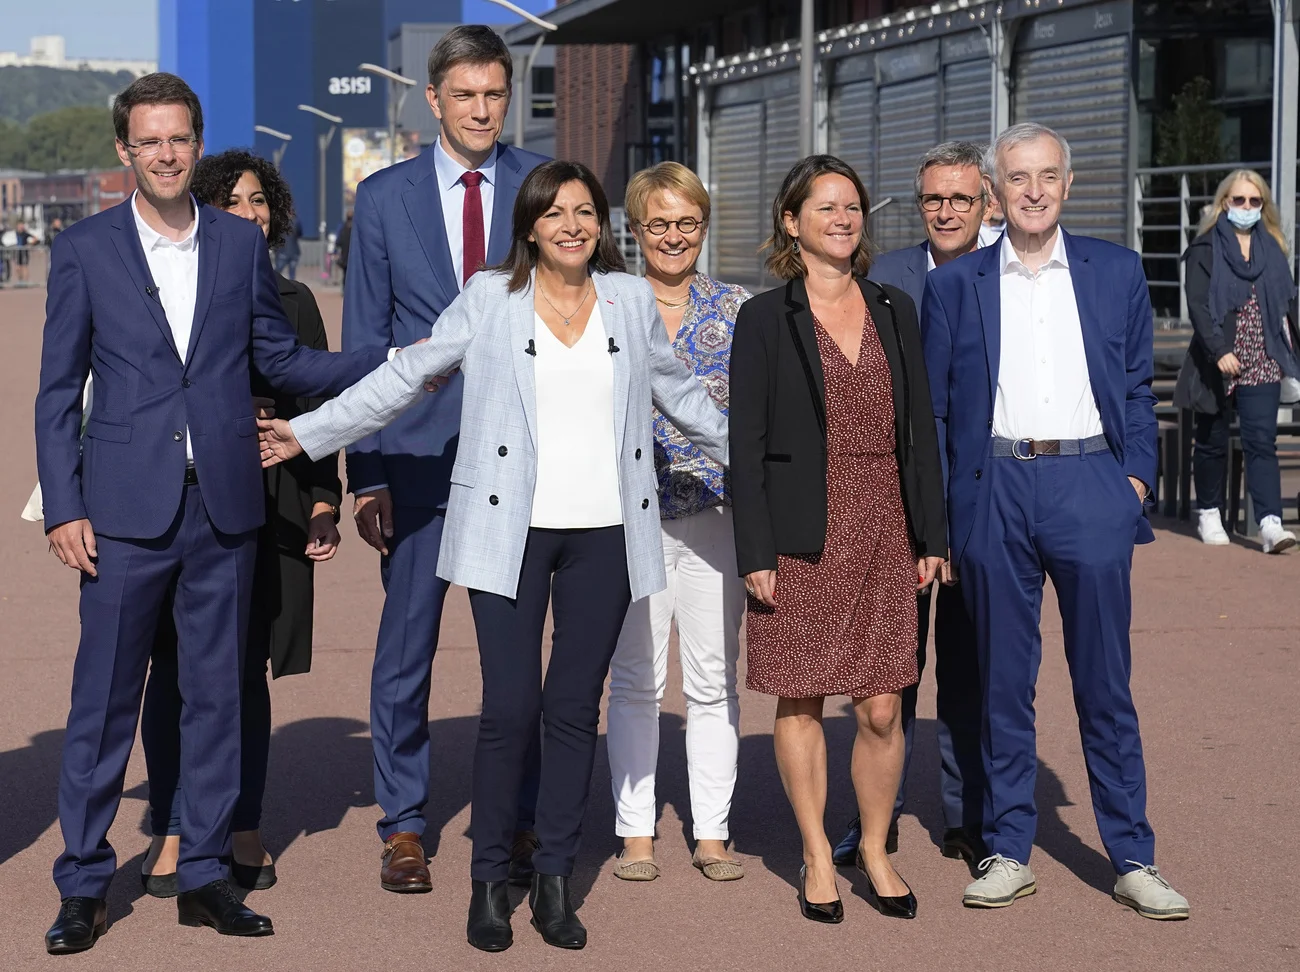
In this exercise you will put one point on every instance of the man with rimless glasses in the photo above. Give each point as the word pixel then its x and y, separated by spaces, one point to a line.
pixel 952 197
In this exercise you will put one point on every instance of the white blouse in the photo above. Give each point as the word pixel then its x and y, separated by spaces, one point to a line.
pixel 577 464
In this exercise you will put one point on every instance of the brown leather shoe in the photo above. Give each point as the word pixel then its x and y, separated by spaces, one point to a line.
pixel 402 866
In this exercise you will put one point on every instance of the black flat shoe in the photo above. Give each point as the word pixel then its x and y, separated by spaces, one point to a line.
pixel 830 912
pixel 80 922
pixel 159 885
pixel 553 914
pixel 846 851
pixel 252 877
pixel 900 906
pixel 488 928
pixel 217 906
pixel 958 843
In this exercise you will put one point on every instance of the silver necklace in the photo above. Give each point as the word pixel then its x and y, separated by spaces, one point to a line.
pixel 567 317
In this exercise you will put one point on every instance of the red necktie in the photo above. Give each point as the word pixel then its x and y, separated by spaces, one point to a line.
pixel 472 249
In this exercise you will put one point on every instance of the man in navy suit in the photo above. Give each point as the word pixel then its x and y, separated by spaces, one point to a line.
pixel 951 195
pixel 1040 360
pixel 420 230
pixel 165 302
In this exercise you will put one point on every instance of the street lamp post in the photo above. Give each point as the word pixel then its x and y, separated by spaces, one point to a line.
pixel 323 143
pixel 278 155
pixel 524 108
pixel 399 87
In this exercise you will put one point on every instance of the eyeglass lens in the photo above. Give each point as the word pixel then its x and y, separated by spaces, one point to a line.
pixel 959 203
pixel 1254 202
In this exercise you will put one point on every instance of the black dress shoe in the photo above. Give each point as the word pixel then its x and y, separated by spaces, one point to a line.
pixel 159 885
pixel 521 858
pixel 958 843
pixel 488 928
pixel 217 906
pixel 80 922
pixel 846 851
pixel 553 914
pixel 899 906
pixel 829 912
pixel 253 877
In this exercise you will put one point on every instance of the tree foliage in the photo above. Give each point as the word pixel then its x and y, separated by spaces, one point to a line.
pixel 1191 133
pixel 70 138
pixel 26 92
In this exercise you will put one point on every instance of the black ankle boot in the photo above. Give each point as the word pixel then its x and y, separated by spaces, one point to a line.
pixel 553 915
pixel 488 928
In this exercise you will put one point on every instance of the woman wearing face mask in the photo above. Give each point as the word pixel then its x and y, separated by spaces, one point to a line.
pixel 1239 291
pixel 302 502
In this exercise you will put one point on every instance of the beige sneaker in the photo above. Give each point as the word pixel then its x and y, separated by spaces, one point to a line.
pixel 1004 880
pixel 1150 895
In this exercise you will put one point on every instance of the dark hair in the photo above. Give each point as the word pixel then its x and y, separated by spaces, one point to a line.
pixel 215 176
pixel 784 262
pixel 159 88
pixel 536 196
pixel 469 44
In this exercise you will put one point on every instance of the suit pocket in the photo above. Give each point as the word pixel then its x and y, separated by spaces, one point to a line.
pixel 229 295
pixel 777 457
pixel 246 426
pixel 107 431
pixel 464 474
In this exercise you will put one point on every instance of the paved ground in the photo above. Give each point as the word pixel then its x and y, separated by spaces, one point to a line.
pixel 1215 672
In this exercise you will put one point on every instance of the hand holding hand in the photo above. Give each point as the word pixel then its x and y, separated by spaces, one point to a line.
pixel 437 382
pixel 264 408
pixel 1230 365
pixel 322 533
pixel 948 572
pixel 373 513
pixel 277 440
pixel 761 585
pixel 926 568
pixel 74 544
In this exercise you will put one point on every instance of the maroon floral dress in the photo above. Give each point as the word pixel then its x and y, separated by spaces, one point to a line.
pixel 845 620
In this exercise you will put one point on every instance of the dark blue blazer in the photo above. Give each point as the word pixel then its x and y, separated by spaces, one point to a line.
pixel 102 316
pixel 904 269
pixel 961 323
pixel 400 279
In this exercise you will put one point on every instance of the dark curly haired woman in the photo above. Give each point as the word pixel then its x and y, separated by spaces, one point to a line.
pixel 302 500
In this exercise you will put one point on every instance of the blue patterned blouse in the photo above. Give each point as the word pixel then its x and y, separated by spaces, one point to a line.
pixel 689 482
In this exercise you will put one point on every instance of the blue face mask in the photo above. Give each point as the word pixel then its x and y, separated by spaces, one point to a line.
pixel 1243 217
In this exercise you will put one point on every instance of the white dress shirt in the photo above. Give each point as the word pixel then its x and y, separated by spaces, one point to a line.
pixel 1044 391
pixel 451 192
pixel 174 267
pixel 577 464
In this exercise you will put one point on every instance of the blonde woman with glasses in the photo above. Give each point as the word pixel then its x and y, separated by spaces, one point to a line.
pixel 1239 297
pixel 669 210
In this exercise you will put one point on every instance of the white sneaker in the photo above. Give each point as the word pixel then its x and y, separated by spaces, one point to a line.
pixel 1004 880
pixel 1150 895
pixel 1210 529
pixel 1273 537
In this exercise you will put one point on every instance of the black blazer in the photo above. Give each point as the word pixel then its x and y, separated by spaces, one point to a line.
pixel 283 589
pixel 1200 383
pixel 778 426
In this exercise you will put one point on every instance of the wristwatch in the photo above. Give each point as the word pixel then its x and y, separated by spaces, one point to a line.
pixel 334 511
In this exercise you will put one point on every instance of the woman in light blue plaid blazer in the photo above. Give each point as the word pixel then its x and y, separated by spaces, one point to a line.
pixel 554 502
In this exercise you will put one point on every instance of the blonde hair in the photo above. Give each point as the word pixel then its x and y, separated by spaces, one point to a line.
pixel 1268 214
pixel 665 177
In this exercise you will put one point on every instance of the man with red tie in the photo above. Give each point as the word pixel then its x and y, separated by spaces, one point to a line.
pixel 421 229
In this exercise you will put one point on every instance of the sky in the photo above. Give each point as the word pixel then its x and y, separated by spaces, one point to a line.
pixel 92 28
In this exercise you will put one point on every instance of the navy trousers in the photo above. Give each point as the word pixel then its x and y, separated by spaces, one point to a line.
pixel 1073 519
pixel 582 576
pixel 1256 407
pixel 400 679
pixel 212 575
pixel 957 707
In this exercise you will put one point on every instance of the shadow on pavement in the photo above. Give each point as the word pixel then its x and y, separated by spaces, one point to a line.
pixel 29 797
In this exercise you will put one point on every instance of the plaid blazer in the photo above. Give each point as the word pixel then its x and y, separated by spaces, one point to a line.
pixel 485 332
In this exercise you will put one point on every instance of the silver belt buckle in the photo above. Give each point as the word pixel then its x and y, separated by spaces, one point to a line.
pixel 1029 450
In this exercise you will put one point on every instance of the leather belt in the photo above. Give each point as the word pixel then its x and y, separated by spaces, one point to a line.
pixel 191 476
pixel 1026 449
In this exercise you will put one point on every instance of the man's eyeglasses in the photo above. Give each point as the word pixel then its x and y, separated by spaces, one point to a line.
pixel 1254 202
pixel 959 202
pixel 686 225
pixel 149 147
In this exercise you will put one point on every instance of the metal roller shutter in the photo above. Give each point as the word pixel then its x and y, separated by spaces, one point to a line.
pixel 780 153
pixel 968 101
pixel 736 131
pixel 1082 91
pixel 853 128
pixel 909 122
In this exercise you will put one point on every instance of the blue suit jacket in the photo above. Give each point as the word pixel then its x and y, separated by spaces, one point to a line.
pixel 904 269
pixel 102 315
pixel 961 323
pixel 400 278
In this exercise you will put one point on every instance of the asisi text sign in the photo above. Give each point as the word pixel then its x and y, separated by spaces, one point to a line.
pixel 1076 24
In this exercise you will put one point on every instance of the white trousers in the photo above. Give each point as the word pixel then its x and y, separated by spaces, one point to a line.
pixel 707 599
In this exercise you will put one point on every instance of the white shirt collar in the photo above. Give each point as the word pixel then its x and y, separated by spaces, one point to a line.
pixel 929 258
pixel 449 170
pixel 1010 263
pixel 151 239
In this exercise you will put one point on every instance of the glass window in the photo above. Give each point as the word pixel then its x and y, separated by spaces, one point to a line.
pixel 542 95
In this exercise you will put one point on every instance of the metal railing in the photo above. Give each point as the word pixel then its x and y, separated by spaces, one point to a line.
pixel 627 244
pixel 24 266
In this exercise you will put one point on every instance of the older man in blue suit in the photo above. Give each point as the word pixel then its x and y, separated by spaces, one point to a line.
pixel 1040 360
pixel 166 302
pixel 951 195
pixel 420 230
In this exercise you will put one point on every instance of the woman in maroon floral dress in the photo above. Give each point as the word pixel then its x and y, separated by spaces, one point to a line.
pixel 838 506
